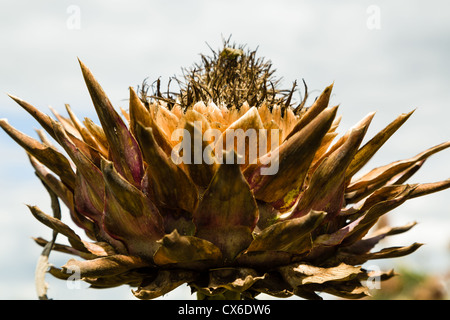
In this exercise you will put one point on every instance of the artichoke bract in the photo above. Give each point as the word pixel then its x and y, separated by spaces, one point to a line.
pixel 227 185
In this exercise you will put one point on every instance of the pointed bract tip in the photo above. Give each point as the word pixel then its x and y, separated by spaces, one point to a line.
pixel 85 70
pixel 15 98
pixel 408 114
pixel 363 123
pixel 369 117
pixel 334 109
pixel 133 93
pixel 81 63
pixel 328 89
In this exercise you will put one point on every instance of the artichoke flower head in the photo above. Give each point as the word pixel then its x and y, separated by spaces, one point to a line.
pixel 226 185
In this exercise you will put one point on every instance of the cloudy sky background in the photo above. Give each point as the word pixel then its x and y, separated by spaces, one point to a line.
pixel 393 67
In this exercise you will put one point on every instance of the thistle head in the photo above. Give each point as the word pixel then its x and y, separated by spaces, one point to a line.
pixel 227 185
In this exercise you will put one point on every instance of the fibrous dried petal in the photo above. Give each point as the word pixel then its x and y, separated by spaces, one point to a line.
pixel 326 188
pixel 129 215
pixel 60 227
pixel 172 187
pixel 319 105
pixel 181 249
pixel 292 159
pixel 51 158
pixel 164 282
pixel 123 148
pixel 44 120
pixel 288 235
pixel 378 177
pixel 234 279
pixel 104 266
pixel 370 148
pixel 301 274
pixel 228 211
pixel 392 252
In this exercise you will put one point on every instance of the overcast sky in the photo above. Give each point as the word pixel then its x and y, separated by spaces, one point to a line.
pixel 384 56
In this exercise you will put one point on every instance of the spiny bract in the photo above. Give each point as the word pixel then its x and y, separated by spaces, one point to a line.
pixel 226 229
